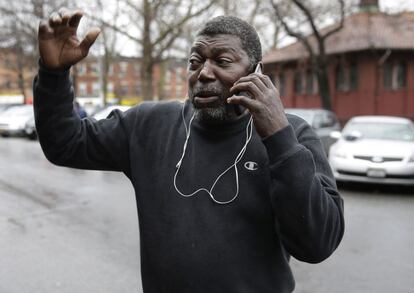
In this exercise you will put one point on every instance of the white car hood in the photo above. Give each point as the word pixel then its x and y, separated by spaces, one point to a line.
pixel 375 147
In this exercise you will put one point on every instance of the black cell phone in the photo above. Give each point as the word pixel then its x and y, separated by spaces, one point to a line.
pixel 239 109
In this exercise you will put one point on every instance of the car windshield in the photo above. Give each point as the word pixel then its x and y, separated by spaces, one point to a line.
pixel 381 130
pixel 305 115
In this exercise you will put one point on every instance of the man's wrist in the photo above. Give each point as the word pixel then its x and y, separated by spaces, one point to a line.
pixel 53 80
pixel 57 71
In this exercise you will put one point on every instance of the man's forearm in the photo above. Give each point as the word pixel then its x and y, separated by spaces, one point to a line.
pixel 308 208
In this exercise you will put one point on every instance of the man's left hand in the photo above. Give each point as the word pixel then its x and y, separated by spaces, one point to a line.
pixel 264 105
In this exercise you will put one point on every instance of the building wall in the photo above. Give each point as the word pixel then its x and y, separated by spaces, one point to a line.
pixel 169 80
pixel 124 79
pixel 9 76
pixel 369 98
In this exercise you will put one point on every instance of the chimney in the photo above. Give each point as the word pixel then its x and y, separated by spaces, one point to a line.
pixel 369 5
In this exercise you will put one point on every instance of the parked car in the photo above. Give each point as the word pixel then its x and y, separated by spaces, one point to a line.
pixel 375 149
pixel 102 114
pixel 30 129
pixel 322 121
pixel 4 107
pixel 13 120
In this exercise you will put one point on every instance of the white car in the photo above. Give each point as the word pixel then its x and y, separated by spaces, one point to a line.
pixel 375 149
pixel 13 120
pixel 106 111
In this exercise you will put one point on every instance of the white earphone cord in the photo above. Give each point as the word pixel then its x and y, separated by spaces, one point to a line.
pixel 249 132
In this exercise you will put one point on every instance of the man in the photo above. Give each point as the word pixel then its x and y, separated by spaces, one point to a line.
pixel 227 187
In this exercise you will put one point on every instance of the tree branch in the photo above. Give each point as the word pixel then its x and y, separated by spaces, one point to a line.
pixel 292 33
pixel 341 22
pixel 116 28
pixel 180 23
pixel 309 17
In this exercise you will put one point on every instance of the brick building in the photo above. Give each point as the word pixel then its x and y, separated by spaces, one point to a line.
pixel 16 76
pixel 371 66
pixel 124 83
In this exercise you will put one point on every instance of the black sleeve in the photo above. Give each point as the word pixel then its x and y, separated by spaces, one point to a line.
pixel 308 208
pixel 70 141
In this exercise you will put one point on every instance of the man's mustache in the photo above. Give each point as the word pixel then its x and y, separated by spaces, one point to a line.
pixel 206 90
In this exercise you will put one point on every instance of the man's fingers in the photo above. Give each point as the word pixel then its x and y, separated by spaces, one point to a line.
pixel 64 11
pixel 55 20
pixel 64 14
pixel 75 19
pixel 266 80
pixel 44 29
pixel 246 102
pixel 89 39
pixel 247 86
pixel 257 78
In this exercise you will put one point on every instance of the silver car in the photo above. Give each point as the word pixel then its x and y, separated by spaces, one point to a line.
pixel 375 149
pixel 322 121
pixel 14 119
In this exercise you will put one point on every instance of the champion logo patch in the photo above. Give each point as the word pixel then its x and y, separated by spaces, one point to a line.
pixel 251 166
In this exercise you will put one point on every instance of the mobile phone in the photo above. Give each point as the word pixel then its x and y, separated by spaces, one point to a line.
pixel 239 109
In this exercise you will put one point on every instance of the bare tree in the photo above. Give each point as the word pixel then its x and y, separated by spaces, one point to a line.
pixel 154 25
pixel 109 41
pixel 18 34
pixel 315 43
pixel 259 14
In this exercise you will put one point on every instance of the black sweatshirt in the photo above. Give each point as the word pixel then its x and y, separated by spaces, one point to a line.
pixel 288 203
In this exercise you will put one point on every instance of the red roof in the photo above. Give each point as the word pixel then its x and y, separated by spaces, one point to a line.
pixel 361 31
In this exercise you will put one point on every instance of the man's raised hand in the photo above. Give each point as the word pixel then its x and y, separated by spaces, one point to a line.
pixel 59 47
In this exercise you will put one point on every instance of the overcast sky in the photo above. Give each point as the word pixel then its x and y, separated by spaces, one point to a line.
pixel 397 5
pixel 392 6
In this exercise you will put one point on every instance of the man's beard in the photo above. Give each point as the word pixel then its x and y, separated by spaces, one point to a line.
pixel 214 112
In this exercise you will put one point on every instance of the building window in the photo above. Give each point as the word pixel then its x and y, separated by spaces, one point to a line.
pixel 180 75
pixel 81 68
pixel 298 83
pixel 8 63
pixel 137 68
pixel 110 88
pixel 94 67
pixel 8 84
pixel 96 88
pixel 395 75
pixel 346 77
pixel 111 70
pixel 83 89
pixel 340 78
pixel 310 83
pixel 168 76
pixel 401 73
pixel 353 76
pixel 123 67
pixel 282 84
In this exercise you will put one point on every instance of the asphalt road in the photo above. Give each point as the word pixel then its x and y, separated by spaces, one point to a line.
pixel 65 230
